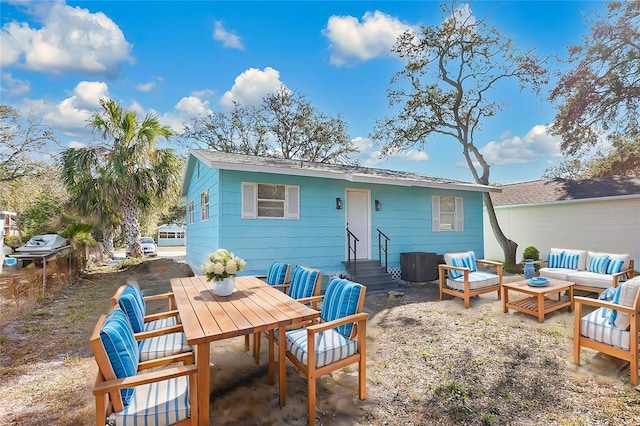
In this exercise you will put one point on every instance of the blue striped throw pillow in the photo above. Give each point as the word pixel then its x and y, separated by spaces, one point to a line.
pixel 615 266
pixel 570 261
pixel 340 300
pixel 554 260
pixel 468 262
pixel 599 264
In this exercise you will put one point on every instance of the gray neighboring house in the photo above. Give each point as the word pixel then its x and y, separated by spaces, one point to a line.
pixel 601 214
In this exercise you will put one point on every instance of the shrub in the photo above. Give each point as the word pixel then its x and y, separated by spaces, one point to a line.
pixel 531 253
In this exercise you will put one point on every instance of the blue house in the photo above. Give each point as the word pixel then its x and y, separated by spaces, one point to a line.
pixel 319 215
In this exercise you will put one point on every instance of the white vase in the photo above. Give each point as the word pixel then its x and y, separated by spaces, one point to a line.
pixel 224 287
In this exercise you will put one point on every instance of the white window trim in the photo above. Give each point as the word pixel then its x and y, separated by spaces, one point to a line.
pixel 458 219
pixel 250 202
pixel 191 211
pixel 204 208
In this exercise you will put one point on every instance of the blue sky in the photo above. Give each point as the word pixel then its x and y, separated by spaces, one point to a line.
pixel 178 59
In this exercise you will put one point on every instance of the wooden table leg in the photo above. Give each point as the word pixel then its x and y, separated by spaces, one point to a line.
pixel 505 299
pixel 541 307
pixel 282 376
pixel 203 354
pixel 571 298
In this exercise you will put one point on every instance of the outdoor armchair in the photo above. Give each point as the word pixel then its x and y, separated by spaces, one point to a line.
pixel 460 276
pixel 125 395
pixel 336 340
pixel 613 327
pixel 138 303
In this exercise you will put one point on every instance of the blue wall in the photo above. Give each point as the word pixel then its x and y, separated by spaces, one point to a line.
pixel 317 239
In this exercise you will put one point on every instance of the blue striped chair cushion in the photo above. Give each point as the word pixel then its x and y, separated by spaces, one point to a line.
pixel 161 403
pixel 331 346
pixel 477 280
pixel 598 264
pixel 570 261
pixel 130 304
pixel 277 273
pixel 303 283
pixel 596 326
pixel 161 323
pixel 340 300
pixel 615 266
pixel 164 345
pixel 121 348
pixel 554 260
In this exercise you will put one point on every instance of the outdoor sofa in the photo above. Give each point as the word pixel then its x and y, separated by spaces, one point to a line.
pixel 590 271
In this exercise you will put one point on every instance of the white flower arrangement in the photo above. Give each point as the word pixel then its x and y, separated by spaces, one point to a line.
pixel 222 264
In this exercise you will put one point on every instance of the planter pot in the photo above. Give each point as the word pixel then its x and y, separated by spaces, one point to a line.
pixel 224 287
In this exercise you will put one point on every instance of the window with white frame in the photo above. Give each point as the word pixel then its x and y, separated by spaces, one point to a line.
pixel 270 201
pixel 447 214
pixel 204 205
pixel 191 211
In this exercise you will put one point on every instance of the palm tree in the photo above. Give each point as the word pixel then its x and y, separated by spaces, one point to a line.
pixel 125 174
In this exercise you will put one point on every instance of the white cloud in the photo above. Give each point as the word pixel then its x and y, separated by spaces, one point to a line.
pixel 352 41
pixel 191 105
pixel 146 87
pixel 228 39
pixel 71 39
pixel 70 116
pixel 536 144
pixel 251 87
pixel 12 86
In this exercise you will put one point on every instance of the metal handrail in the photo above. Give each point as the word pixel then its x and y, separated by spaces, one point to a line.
pixel 354 250
pixel 385 249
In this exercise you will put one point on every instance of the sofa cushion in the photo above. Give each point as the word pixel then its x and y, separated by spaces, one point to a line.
pixel 614 266
pixel 477 280
pixel 465 259
pixel 570 261
pixel 556 273
pixel 596 327
pixel 554 260
pixel 625 296
pixel 582 257
pixel 590 279
pixel 598 264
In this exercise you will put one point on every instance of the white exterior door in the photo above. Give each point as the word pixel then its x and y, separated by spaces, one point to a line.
pixel 358 217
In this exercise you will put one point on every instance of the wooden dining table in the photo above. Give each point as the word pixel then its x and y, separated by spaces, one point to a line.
pixel 254 306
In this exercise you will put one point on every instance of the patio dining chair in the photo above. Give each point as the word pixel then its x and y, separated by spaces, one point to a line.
pixel 278 277
pixel 137 304
pixel 336 340
pixel 156 337
pixel 613 327
pixel 460 276
pixel 125 394
pixel 305 283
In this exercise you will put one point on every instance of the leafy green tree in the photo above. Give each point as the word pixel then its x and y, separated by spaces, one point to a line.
pixel 599 97
pixel 451 74
pixel 175 213
pixel 285 125
pixel 21 141
pixel 623 159
pixel 79 236
pixel 128 167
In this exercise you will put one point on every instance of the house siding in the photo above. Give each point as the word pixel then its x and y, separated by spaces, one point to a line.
pixel 607 225
pixel 318 238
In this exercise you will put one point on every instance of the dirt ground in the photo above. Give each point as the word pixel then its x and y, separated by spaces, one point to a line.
pixel 429 362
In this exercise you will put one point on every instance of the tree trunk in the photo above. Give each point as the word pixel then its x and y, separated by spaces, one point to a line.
pixel 131 214
pixel 508 247
pixel 108 232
